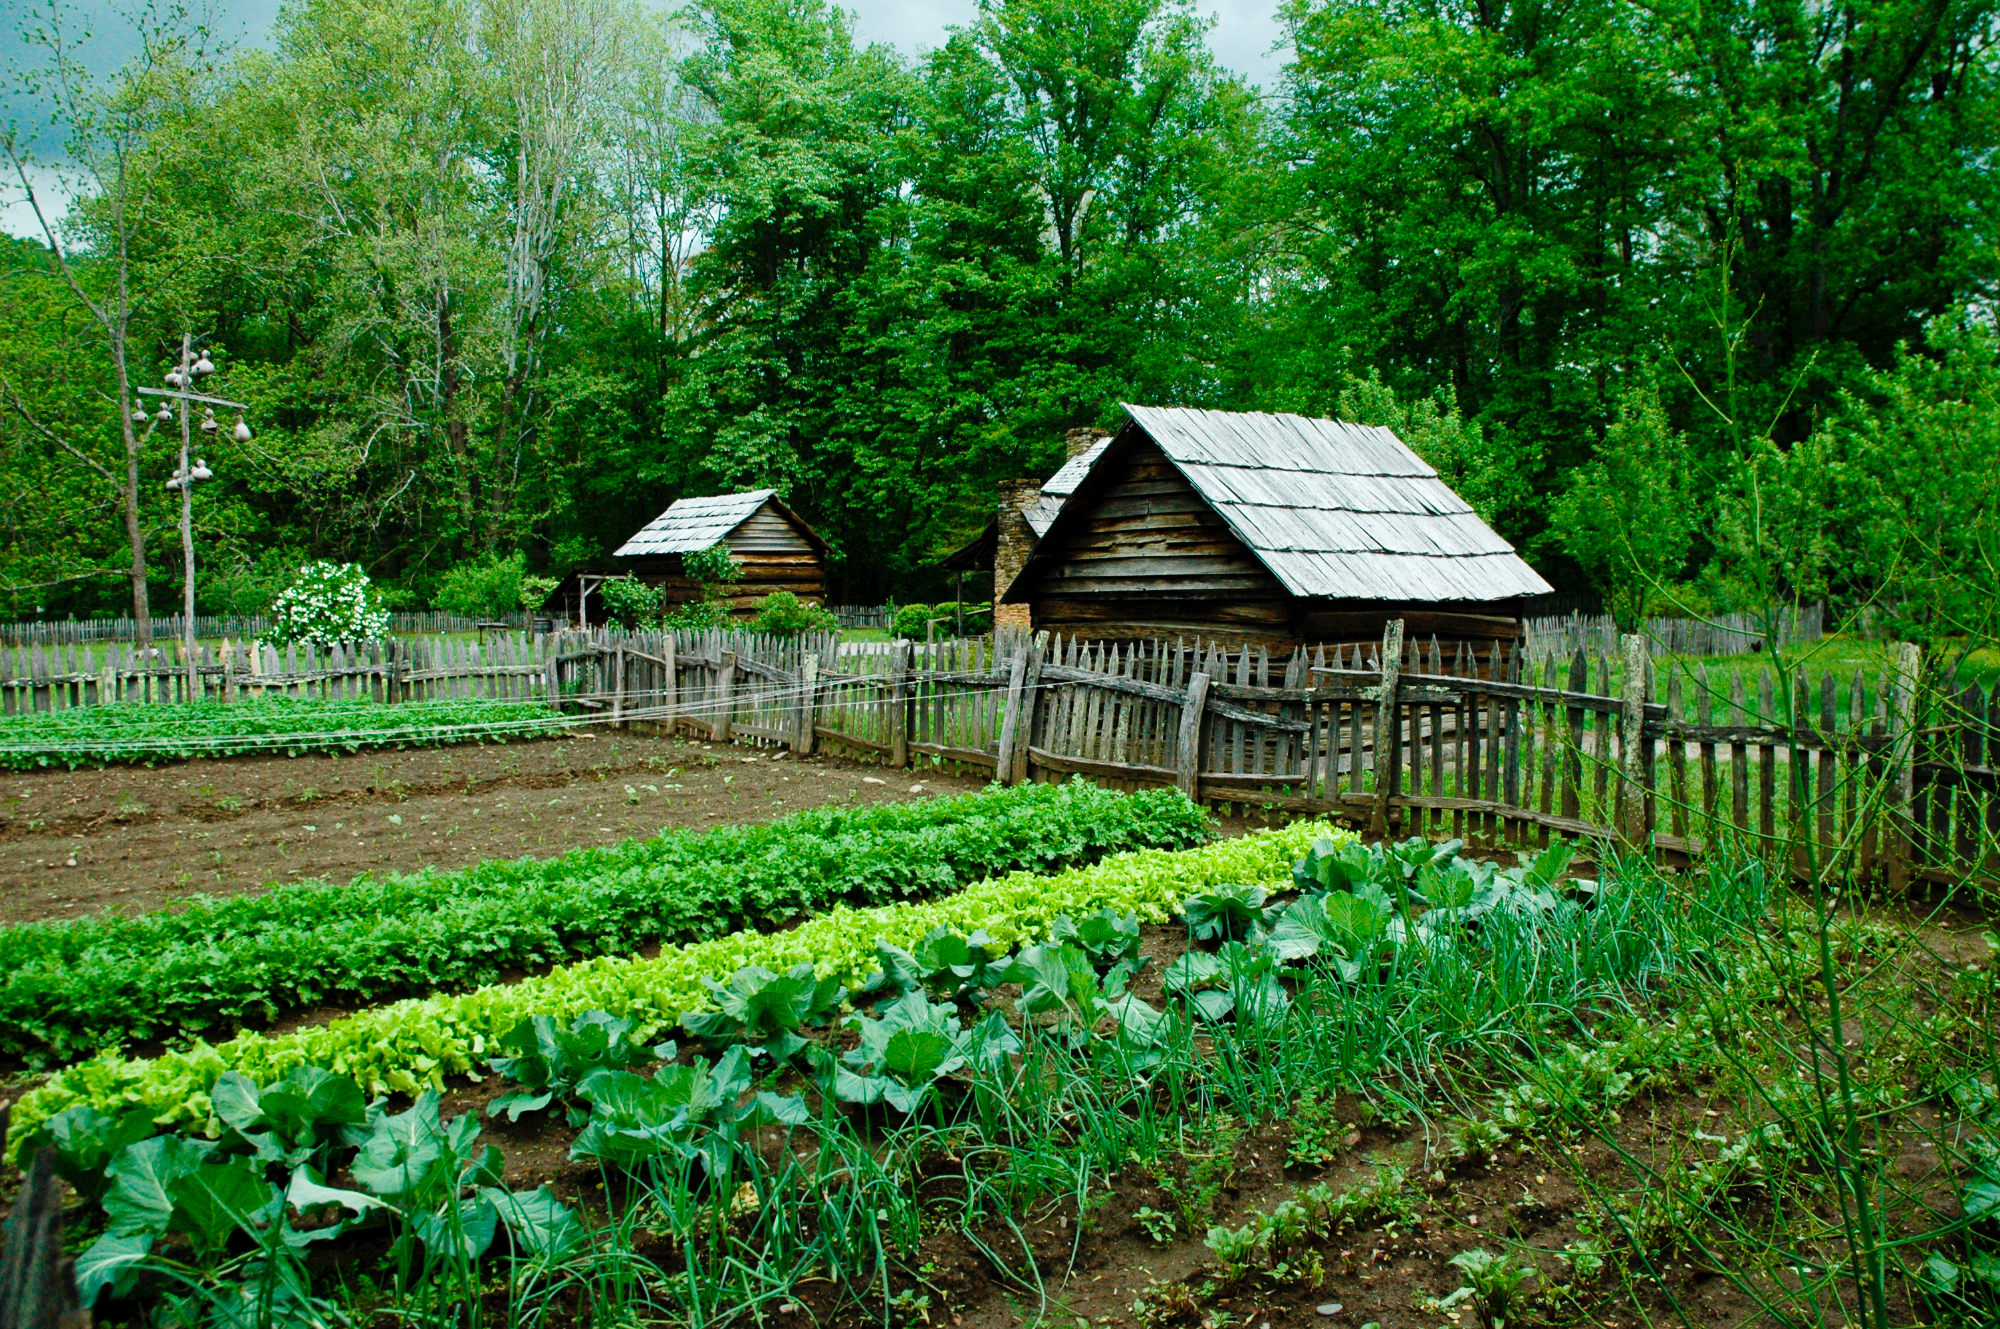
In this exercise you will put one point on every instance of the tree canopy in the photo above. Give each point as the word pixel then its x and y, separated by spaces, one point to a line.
pixel 502 278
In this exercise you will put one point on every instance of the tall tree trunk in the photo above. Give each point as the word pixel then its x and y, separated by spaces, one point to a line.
pixel 135 533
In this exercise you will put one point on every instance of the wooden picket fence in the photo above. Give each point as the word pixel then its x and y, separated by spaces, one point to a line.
pixel 1868 774
pixel 167 627
pixel 1723 634
pixel 60 676
pixel 1502 747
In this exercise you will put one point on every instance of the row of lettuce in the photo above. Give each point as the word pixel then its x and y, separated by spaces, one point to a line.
pixel 145 733
pixel 251 1144
pixel 252 1136
pixel 75 988
pixel 415 1044
pixel 1070 942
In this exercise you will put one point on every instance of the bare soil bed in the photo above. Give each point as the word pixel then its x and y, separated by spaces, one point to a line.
pixel 135 838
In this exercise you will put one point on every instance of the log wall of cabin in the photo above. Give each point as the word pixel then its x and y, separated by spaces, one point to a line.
pixel 773 554
pixel 1150 559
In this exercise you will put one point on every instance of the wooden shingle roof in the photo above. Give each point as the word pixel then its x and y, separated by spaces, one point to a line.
pixel 1337 510
pixel 694 524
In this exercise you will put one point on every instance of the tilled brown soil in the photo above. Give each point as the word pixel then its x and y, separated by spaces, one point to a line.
pixel 134 838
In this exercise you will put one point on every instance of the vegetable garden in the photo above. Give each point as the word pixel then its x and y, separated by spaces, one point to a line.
pixel 986 1057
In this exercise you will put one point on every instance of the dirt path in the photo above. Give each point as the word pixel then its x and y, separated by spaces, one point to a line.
pixel 137 838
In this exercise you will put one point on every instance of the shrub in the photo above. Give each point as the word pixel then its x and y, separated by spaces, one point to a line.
pixel 328 603
pixel 712 567
pixel 784 614
pixel 977 617
pixel 483 588
pixel 910 622
pixel 697 616
pixel 630 603
pixel 535 590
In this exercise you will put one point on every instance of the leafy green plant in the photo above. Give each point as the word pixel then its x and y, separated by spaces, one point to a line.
pixel 1227 911
pixel 911 1046
pixel 629 602
pixel 713 566
pixel 1110 939
pixel 783 614
pixel 69 989
pixel 765 1011
pixel 550 1061
pixel 1333 865
pixel 691 1113
pixel 86 1140
pixel 912 622
pixel 942 963
pixel 1495 1281
pixel 1350 931
pixel 294 1121
pixel 1158 1226
pixel 1237 980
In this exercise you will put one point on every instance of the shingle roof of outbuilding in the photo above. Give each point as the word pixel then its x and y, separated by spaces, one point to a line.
pixel 1336 510
pixel 693 524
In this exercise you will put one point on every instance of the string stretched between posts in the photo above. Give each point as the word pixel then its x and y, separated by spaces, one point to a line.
pixel 707 708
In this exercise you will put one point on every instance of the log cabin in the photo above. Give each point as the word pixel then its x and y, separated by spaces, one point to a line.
pixel 1268 530
pixel 775 549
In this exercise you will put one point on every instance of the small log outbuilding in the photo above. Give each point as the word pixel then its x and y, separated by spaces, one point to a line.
pixel 1275 530
pixel 775 549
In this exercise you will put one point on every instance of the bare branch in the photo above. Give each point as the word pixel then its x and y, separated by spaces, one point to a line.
pixel 21 409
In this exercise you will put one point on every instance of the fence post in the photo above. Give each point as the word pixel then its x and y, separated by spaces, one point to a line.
pixel 552 685
pixel 1187 752
pixel 1010 722
pixel 618 685
pixel 899 711
pixel 670 694
pixel 1031 693
pixel 1631 813
pixel 1388 726
pixel 725 697
pixel 1902 756
pixel 808 702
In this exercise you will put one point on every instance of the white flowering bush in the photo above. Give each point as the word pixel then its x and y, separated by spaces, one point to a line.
pixel 329 602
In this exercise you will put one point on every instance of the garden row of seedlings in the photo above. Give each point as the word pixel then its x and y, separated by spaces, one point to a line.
pixel 810 1144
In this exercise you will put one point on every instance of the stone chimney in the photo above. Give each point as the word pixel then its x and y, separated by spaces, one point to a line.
pixel 1010 552
pixel 1080 441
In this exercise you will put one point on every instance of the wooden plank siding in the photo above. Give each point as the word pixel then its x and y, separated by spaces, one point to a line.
pixel 1150 560
pixel 773 553
pixel 1147 558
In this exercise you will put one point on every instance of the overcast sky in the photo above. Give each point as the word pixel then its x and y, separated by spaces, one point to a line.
pixel 1242 38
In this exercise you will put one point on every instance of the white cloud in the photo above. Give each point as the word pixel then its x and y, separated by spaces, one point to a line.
pixel 1242 37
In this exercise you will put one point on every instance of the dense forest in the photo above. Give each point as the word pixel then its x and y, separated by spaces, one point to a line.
pixel 1691 299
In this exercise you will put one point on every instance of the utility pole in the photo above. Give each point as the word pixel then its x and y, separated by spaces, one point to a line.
pixel 186 478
